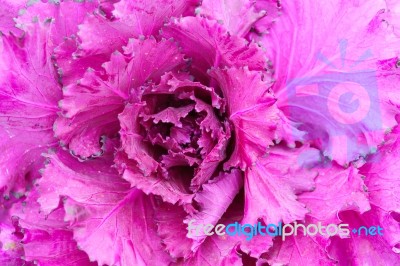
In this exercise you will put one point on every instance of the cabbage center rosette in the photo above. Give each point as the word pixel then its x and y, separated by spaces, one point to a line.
pixel 175 136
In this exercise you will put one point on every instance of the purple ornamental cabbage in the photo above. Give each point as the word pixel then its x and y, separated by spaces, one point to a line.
pixel 122 121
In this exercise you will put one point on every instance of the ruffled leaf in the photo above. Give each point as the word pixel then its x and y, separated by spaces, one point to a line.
pixel 381 177
pixel 375 249
pixel 136 19
pixel 170 189
pixel 208 45
pixel 87 116
pixel 146 18
pixel 271 185
pixel 112 223
pixel 8 12
pixel 11 250
pixel 64 17
pixel 46 239
pixel 299 250
pixel 230 250
pixel 214 199
pixel 228 12
pixel 172 230
pixel 252 110
pixel 336 189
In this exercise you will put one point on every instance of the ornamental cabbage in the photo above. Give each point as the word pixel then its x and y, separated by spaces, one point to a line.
pixel 123 123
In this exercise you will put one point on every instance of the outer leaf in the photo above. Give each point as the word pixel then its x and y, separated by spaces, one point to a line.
pixel 272 183
pixel 381 175
pixel 375 249
pixel 230 250
pixel 336 189
pixel 28 105
pixel 112 223
pixel 390 222
pixel 46 239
